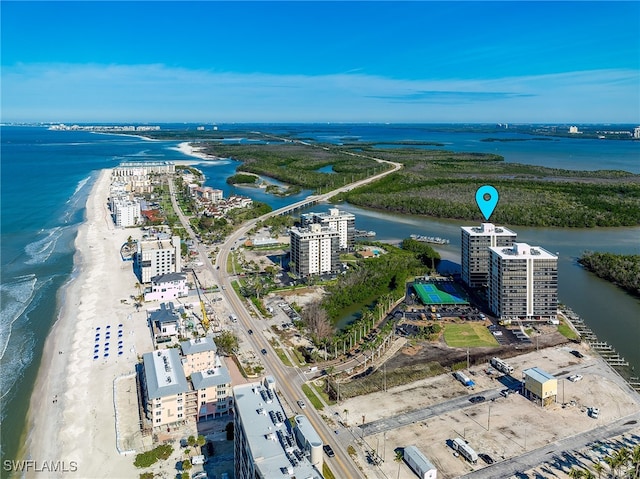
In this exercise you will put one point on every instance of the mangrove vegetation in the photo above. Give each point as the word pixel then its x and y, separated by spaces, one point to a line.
pixel 623 270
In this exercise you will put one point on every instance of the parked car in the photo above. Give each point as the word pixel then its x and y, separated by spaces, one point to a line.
pixel 577 353
pixel 477 399
pixel 575 378
pixel 595 412
pixel 328 450
pixel 486 458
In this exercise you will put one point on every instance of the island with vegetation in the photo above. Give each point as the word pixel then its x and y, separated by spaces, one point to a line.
pixel 242 179
pixel 440 183
pixel 623 270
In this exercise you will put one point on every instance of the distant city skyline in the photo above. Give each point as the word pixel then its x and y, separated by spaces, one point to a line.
pixel 397 62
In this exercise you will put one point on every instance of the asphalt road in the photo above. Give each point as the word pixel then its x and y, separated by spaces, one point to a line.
pixel 401 420
pixel 289 380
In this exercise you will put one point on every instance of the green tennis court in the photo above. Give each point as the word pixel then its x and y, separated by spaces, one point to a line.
pixel 441 292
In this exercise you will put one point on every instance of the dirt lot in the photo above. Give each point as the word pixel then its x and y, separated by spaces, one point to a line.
pixel 503 428
pixel 425 352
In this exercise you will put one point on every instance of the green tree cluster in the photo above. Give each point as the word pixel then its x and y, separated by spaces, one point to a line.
pixel 240 178
pixel 148 458
pixel 227 343
pixel 372 277
pixel 425 253
pixel 623 270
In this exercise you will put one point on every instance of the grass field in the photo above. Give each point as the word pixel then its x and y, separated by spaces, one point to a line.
pixel 566 331
pixel 470 335
pixel 326 472
pixel 311 396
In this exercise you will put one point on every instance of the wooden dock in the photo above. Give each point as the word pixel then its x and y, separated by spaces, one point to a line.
pixel 606 351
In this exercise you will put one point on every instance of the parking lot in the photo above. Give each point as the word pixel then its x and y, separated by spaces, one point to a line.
pixel 498 426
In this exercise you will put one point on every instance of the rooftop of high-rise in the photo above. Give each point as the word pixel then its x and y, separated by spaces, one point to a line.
pixel 486 229
pixel 271 441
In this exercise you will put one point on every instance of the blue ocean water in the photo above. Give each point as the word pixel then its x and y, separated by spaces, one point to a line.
pixel 47 175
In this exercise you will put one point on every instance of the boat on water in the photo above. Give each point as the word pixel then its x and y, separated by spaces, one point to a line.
pixel 364 234
pixel 430 239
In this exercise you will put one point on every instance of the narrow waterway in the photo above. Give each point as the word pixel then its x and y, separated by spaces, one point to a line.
pixel 612 314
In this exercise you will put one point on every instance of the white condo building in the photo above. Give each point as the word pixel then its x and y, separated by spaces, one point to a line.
pixel 264 442
pixel 523 282
pixel 156 257
pixel 314 250
pixel 341 221
pixel 125 212
pixel 167 286
pixel 128 169
pixel 476 241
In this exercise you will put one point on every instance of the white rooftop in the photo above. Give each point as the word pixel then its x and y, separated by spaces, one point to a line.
pixel 488 229
pixel 522 251
pixel 272 444
pixel 163 373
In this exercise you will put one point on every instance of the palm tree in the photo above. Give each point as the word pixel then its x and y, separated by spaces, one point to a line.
pixel 623 456
pixel 346 415
pixel 612 462
pixel 398 459
pixel 635 461
pixel 588 474
pixel 329 372
pixel 599 468
pixel 576 473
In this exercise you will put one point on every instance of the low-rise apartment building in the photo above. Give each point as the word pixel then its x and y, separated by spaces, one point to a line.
pixel 167 286
pixel 173 392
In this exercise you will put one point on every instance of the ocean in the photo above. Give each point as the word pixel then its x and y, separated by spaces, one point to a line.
pixel 47 175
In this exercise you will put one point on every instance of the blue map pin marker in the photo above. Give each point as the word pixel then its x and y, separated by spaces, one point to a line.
pixel 487 198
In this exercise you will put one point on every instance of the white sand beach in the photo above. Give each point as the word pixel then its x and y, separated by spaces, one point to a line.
pixel 96 338
pixel 191 150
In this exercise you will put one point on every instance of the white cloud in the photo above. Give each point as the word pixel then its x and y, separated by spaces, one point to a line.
pixel 94 92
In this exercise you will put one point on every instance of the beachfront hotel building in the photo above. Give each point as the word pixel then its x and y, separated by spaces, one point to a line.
pixel 156 257
pixel 264 442
pixel 173 391
pixel 125 212
pixel 338 220
pixel 523 282
pixel 476 241
pixel 137 176
pixel 314 250
pixel 139 169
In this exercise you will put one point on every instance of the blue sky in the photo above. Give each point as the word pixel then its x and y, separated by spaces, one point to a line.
pixel 206 61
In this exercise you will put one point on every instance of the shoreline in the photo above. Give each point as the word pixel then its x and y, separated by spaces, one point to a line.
pixel 71 410
pixel 188 149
